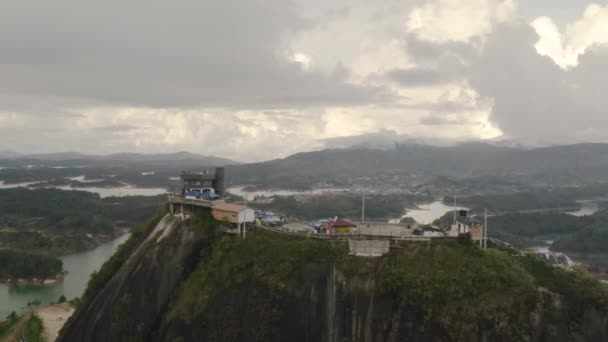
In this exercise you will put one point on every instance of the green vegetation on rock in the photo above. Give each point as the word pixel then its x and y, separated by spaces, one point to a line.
pixel 100 278
pixel 461 285
pixel 34 330
pixel 7 325
pixel 272 261
pixel 275 287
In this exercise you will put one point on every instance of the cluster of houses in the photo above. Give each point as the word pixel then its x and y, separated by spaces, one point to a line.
pixel 463 224
pixel 210 187
pixel 332 226
pixel 269 218
pixel 35 281
pixel 321 226
pixel 555 259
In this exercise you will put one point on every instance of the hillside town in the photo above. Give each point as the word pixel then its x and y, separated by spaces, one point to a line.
pixel 208 189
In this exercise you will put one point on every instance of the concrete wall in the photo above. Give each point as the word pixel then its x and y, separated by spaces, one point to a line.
pixel 247 216
pixel 368 247
pixel 383 229
pixel 225 216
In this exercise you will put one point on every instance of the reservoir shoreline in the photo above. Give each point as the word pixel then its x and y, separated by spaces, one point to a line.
pixel 79 267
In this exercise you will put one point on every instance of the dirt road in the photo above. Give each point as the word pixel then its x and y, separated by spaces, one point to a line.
pixel 15 335
pixel 53 318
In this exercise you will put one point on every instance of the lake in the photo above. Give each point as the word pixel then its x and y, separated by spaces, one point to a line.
pixel 15 185
pixel 427 213
pixel 79 265
pixel 587 208
pixel 250 195
pixel 118 192
pixel 127 190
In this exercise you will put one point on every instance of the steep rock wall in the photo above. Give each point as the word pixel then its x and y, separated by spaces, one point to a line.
pixel 325 307
pixel 182 283
pixel 130 303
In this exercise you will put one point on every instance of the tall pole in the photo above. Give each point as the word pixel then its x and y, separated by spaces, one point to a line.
pixel 454 209
pixel 244 229
pixel 485 229
pixel 362 207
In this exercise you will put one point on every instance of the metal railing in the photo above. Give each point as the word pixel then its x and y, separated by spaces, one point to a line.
pixel 352 235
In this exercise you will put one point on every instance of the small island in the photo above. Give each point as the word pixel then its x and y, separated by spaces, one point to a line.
pixel 38 226
pixel 24 268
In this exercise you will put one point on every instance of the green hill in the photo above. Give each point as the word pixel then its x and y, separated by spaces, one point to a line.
pixel 186 282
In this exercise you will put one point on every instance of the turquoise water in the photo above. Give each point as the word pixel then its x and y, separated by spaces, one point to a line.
pixel 80 266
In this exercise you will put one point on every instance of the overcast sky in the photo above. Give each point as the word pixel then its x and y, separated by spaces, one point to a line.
pixel 261 79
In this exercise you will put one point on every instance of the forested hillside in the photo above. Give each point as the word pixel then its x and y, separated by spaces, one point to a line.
pixel 558 165
pixel 37 226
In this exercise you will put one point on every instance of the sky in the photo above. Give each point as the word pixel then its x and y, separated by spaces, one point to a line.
pixel 262 79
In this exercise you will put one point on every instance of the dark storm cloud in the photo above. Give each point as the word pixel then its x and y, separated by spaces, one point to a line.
pixel 436 63
pixel 534 99
pixel 161 54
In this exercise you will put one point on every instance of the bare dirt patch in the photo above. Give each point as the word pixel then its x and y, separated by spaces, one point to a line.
pixel 53 318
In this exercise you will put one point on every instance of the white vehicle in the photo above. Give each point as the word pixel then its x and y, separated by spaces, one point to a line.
pixel 201 193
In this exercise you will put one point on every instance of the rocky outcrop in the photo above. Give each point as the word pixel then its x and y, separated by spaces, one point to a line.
pixel 131 302
pixel 325 307
pixel 183 283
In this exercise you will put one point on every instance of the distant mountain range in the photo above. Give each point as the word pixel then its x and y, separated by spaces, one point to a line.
pixel 570 164
pixel 387 139
pixel 495 162
pixel 121 157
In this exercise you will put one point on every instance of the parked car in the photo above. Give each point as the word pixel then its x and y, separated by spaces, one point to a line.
pixel 207 194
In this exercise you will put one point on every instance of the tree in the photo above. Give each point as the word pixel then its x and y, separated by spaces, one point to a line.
pixel 12 317
pixel 61 300
pixel 465 239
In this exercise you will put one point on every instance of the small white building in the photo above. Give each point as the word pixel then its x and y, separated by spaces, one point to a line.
pixel 466 224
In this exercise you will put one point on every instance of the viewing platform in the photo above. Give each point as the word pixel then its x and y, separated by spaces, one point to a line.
pixel 177 199
pixel 181 202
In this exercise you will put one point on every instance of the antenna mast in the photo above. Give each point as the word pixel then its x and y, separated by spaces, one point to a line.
pixel 454 209
pixel 362 207
pixel 485 229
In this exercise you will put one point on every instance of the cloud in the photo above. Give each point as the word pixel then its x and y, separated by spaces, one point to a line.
pixel 417 76
pixel 456 20
pixel 443 69
pixel 565 48
pixel 261 79
pixel 182 53
pixel 423 52
pixel 538 85
pixel 534 99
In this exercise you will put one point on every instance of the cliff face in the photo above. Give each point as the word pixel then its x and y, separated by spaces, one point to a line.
pixel 322 308
pixel 127 307
pixel 184 283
